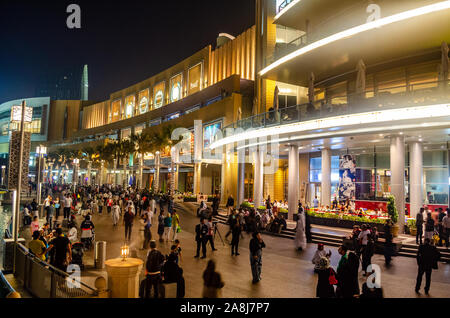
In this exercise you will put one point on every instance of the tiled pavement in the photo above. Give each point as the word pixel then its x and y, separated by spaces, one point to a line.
pixel 286 272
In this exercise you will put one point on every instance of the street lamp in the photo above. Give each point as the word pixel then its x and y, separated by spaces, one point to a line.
pixel 41 151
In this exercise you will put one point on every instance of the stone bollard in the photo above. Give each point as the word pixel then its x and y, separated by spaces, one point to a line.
pixel 123 277
pixel 100 285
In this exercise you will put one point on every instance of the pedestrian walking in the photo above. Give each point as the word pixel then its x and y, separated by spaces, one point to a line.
pixel 160 225
pixel 128 219
pixel 176 228
pixel 429 227
pixel 256 246
pixel 235 236
pixel 115 213
pixel 446 226
pixel 201 231
pixel 155 261
pixel 210 235
pixel 167 226
pixel 326 279
pixel 230 205
pixel 232 220
pixel 427 260
pixel 419 226
pixel 300 237
pixel 212 281
pixel 148 215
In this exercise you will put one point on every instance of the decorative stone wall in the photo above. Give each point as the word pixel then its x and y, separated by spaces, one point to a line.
pixel 14 154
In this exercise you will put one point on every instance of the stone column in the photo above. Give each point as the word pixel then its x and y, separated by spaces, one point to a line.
pixel 102 167
pixel 258 178
pixel 415 177
pixel 123 277
pixel 326 177
pixel 398 177
pixel 241 177
pixel 294 179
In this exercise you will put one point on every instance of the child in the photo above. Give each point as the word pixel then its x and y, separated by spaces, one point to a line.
pixel 178 245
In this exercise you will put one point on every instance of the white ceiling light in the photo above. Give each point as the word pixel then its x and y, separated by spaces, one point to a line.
pixel 356 30
pixel 361 119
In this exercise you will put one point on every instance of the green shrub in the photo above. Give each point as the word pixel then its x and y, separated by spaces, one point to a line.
pixel 246 205
pixel 261 208
pixel 412 224
pixel 392 210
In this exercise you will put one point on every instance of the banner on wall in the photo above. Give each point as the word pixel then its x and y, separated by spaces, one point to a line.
pixel 143 101
pixel 130 104
pixel 347 177
pixel 115 111
pixel 176 87
pixel 194 77
pixel 158 93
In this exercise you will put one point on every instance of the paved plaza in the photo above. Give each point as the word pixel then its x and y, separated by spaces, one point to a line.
pixel 286 273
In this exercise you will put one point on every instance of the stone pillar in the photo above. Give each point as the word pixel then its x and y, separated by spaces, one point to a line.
pixel 102 168
pixel 326 177
pixel 398 177
pixel 415 177
pixel 258 178
pixel 294 179
pixel 241 177
pixel 123 277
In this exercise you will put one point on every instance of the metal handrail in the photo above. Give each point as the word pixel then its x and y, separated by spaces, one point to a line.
pixel 324 108
pixel 58 278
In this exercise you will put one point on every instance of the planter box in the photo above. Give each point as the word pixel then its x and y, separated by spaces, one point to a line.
pixel 189 199
pixel 346 224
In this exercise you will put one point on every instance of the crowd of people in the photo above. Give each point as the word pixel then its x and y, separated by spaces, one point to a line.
pixel 50 244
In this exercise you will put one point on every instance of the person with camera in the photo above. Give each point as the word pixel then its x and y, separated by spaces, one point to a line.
pixel 210 236
pixel 201 231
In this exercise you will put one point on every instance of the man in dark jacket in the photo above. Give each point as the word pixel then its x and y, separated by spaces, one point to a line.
pixel 256 246
pixel 215 204
pixel 230 204
pixel 155 261
pixel 427 259
pixel 201 231
pixel 419 226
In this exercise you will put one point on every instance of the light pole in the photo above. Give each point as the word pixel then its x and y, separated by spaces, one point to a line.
pixel 3 174
pixel 41 151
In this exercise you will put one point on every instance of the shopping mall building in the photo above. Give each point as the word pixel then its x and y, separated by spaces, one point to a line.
pixel 321 98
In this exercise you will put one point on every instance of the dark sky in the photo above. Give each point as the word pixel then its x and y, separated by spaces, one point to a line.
pixel 123 42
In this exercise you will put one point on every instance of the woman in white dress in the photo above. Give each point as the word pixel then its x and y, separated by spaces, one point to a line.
pixel 300 236
pixel 115 213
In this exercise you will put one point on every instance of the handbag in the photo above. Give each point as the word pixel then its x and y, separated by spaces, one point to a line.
pixel 178 229
pixel 332 278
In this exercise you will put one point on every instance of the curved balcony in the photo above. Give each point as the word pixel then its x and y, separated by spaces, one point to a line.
pixel 430 93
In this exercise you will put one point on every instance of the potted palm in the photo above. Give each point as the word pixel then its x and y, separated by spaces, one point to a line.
pixel 393 215
pixel 412 227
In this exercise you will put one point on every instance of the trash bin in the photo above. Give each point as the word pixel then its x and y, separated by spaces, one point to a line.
pixel 100 255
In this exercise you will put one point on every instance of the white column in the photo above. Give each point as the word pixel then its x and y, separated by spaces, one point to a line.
pixel 198 147
pixel 258 178
pixel 416 177
pixel 241 177
pixel 398 177
pixel 294 180
pixel 326 177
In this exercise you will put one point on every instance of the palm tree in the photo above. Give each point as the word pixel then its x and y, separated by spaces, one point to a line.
pixel 142 144
pixel 126 147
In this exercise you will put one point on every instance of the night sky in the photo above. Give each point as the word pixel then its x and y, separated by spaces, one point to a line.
pixel 123 42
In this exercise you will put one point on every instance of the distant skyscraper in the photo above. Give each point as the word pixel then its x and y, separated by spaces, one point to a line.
pixel 71 84
pixel 85 84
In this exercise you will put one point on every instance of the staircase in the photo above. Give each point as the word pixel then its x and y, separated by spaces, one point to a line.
pixel 406 250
